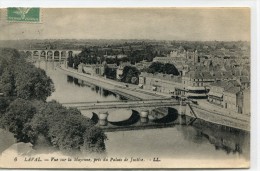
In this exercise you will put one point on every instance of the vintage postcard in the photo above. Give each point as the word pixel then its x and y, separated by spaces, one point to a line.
pixel 125 88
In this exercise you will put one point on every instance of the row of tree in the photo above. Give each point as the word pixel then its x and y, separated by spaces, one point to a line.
pixel 130 73
pixel 91 56
pixel 157 67
pixel 64 128
pixel 25 112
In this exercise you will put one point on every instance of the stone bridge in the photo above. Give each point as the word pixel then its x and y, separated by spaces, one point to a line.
pixel 51 54
pixel 137 105
pixel 101 110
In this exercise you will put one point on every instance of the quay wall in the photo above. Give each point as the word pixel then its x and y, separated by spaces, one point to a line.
pixel 238 122
pixel 114 86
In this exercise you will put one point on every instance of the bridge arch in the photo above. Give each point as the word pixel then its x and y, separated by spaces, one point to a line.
pixel 36 53
pixel 43 53
pixel 49 54
pixel 28 53
pixel 63 54
pixel 56 54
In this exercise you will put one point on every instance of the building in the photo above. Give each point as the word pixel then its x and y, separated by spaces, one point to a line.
pixel 163 83
pixel 215 95
pixel 244 81
pixel 119 56
pixel 230 95
pixel 230 99
pixel 91 69
pixel 142 65
pixel 196 83
pixel 164 60
pixel 244 101
pixel 182 57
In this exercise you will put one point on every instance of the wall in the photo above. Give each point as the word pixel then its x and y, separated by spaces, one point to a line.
pixel 230 102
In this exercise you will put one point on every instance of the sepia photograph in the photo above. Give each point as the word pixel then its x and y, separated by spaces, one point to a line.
pixel 125 87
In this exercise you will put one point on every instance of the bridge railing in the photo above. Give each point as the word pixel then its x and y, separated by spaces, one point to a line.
pixel 116 101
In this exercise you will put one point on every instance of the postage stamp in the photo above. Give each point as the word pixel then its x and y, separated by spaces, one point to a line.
pixel 23 14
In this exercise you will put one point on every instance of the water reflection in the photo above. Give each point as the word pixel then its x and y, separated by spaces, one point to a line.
pixel 134 118
pixel 201 135
pixel 99 90
pixel 228 139
pixel 69 89
pixel 172 115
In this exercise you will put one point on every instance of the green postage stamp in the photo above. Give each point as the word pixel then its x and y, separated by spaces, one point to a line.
pixel 20 14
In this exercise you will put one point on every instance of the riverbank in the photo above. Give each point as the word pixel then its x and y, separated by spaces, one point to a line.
pixel 219 117
pixel 112 85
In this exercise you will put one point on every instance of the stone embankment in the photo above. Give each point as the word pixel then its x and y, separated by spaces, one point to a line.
pixel 114 86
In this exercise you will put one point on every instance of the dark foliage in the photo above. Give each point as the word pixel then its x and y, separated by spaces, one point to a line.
pixel 110 73
pixel 162 68
pixel 21 79
pixel 66 128
pixel 130 75
pixel 17 118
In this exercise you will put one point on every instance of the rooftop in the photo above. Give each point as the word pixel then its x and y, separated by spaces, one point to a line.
pixel 167 77
pixel 233 90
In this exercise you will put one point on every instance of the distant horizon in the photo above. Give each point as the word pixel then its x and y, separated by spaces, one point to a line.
pixel 130 39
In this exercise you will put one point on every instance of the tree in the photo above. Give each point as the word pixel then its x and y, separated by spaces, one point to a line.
pixel 128 73
pixel 8 57
pixel 66 128
pixel 76 62
pixel 4 103
pixel 122 51
pixel 94 140
pixel 162 68
pixel 7 82
pixel 134 80
pixel 17 118
pixel 67 133
pixel 32 83
pixel 22 79
pixel 87 56
pixel 170 69
pixel 110 73
pixel 70 61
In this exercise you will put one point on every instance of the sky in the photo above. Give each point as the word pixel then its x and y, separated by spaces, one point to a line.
pixel 194 24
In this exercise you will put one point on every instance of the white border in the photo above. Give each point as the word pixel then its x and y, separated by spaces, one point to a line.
pixel 255 38
pixel 128 3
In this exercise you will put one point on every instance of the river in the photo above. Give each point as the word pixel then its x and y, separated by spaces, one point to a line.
pixel 200 141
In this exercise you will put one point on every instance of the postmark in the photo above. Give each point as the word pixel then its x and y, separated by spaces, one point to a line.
pixel 23 14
